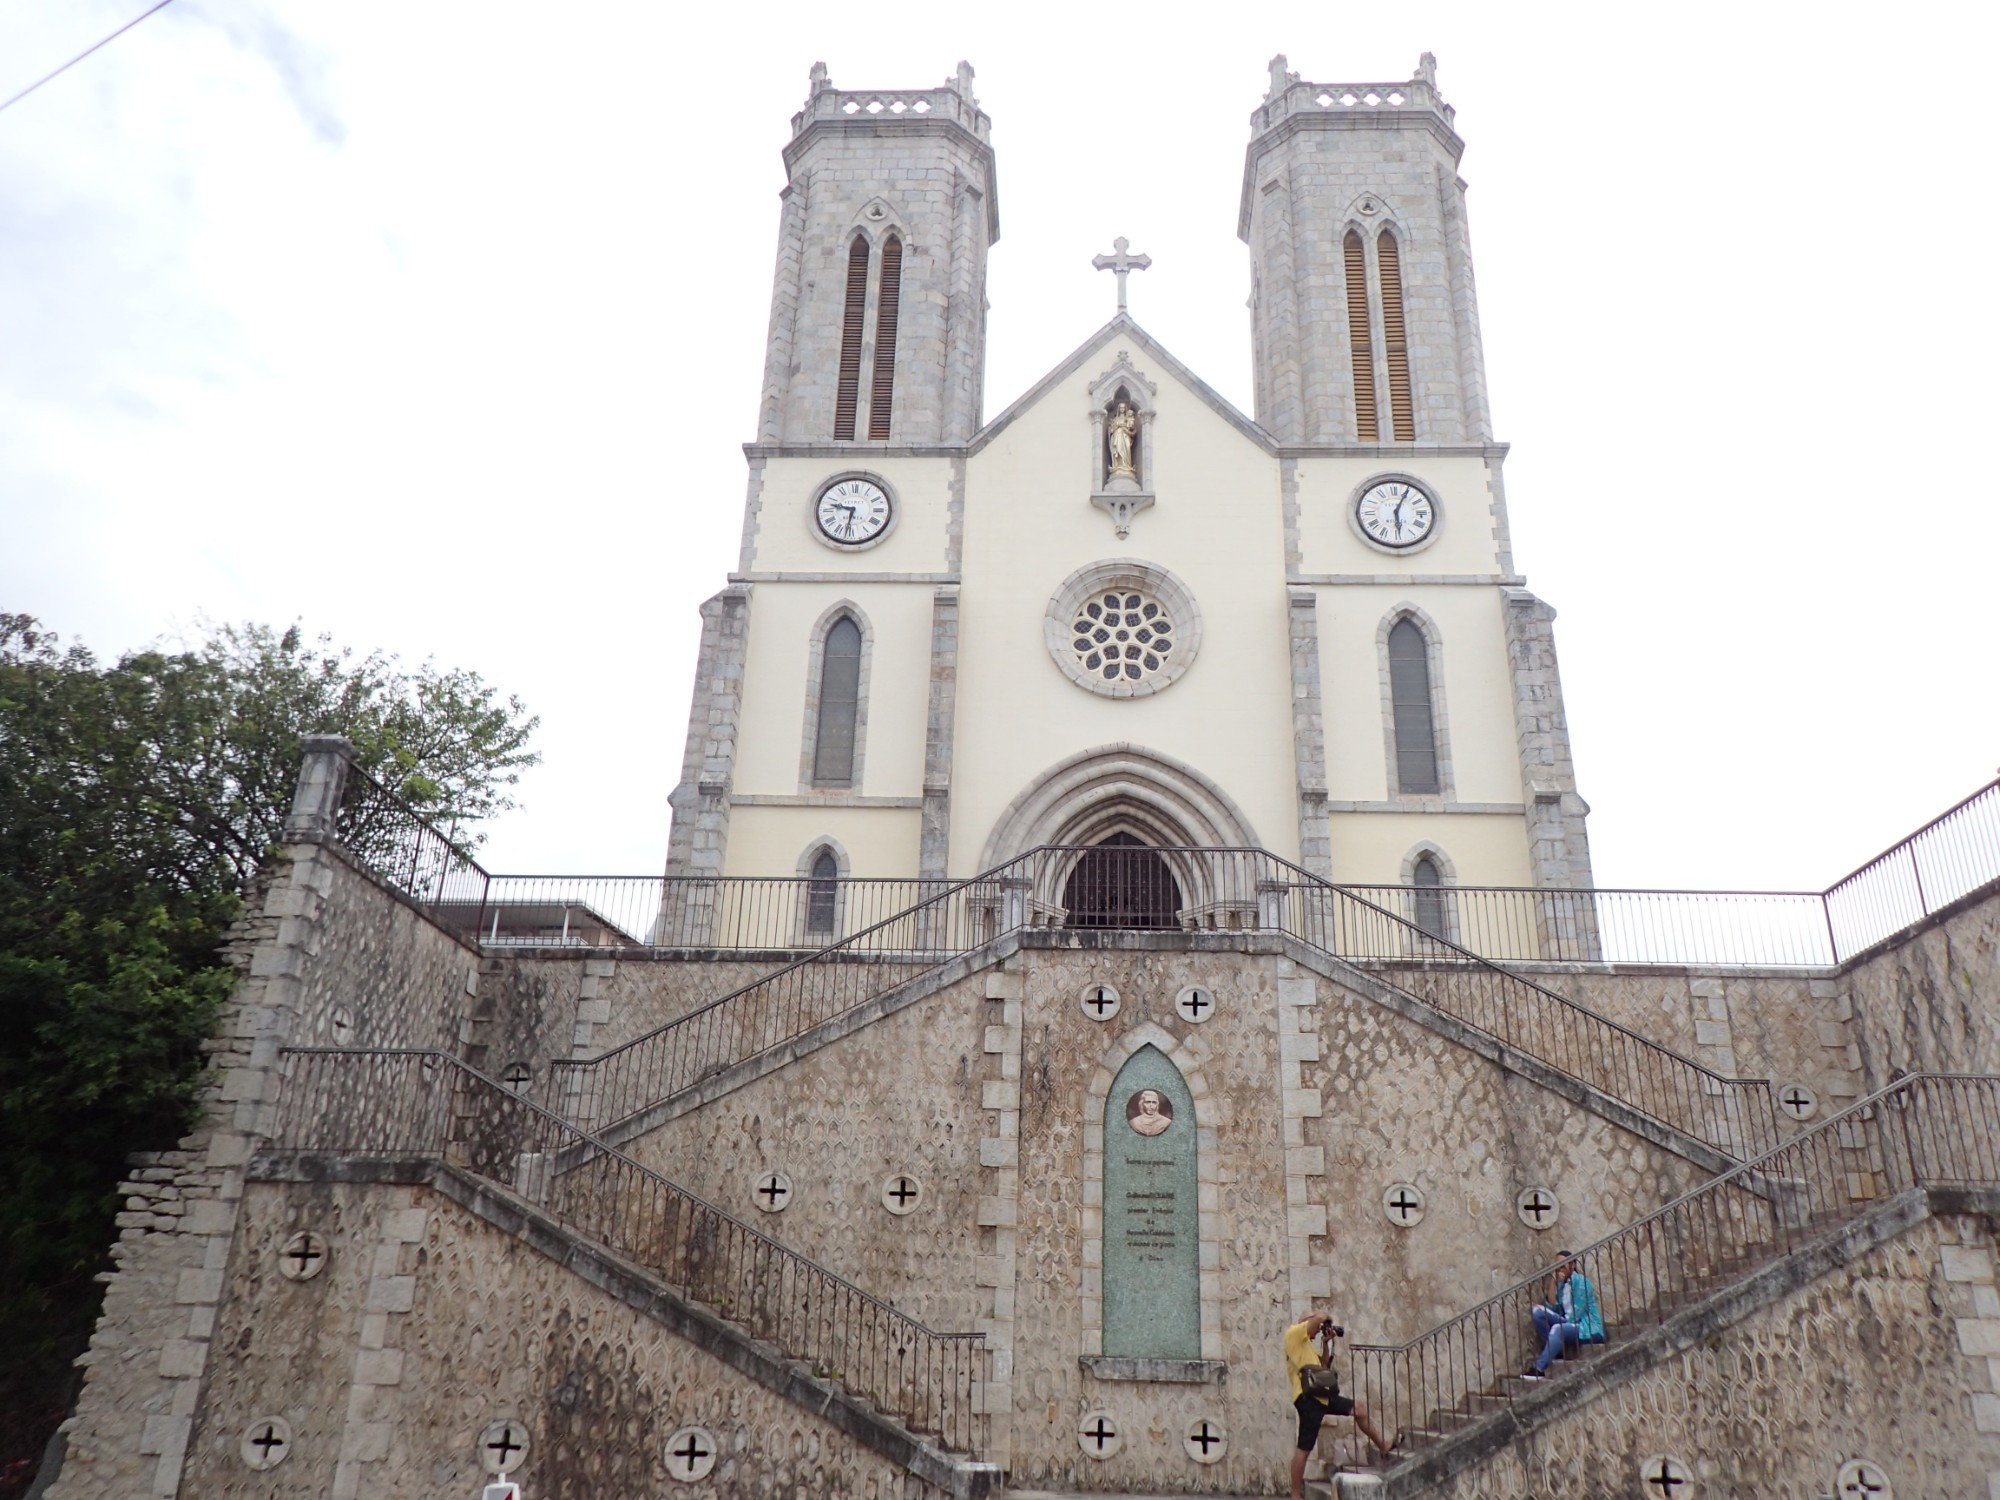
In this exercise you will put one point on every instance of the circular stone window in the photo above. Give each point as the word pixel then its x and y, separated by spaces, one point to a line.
pixel 1123 628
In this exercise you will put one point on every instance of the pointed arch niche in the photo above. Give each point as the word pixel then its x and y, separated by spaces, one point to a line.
pixel 1179 1294
pixel 1153 800
pixel 1122 491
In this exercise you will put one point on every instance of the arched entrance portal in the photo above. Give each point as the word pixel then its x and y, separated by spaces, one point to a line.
pixel 1122 883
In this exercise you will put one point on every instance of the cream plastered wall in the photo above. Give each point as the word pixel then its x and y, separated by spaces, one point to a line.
pixel 879 841
pixel 1029 524
pixel 1465 536
pixel 780 535
pixel 896 665
pixel 1481 848
pixel 1478 701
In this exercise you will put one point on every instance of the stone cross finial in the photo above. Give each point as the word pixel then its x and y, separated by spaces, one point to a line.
pixel 1122 264
pixel 962 80
pixel 818 79
pixel 1427 69
pixel 1280 79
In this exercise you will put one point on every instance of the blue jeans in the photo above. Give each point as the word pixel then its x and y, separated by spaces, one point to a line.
pixel 1554 1333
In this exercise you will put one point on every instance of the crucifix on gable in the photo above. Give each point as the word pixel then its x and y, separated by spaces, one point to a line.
pixel 1121 264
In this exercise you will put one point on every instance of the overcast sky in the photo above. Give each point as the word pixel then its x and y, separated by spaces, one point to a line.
pixel 439 327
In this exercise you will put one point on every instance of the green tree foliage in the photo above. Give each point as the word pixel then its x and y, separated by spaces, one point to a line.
pixel 136 802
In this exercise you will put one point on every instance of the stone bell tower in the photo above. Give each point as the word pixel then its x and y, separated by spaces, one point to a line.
pixel 878 304
pixel 1364 320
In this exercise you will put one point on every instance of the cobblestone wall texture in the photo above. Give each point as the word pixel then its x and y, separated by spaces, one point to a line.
pixel 901 1096
pixel 1929 1003
pixel 403 981
pixel 427 1325
pixel 1863 1363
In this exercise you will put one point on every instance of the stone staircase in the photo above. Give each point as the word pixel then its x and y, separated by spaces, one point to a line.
pixel 1682 1276
pixel 818 999
pixel 911 1393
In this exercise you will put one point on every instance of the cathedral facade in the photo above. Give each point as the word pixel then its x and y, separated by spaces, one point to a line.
pixel 1127 891
pixel 1121 608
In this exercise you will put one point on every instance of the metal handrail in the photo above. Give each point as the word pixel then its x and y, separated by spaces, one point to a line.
pixel 1248 889
pixel 1926 1129
pixel 1952 855
pixel 431 1103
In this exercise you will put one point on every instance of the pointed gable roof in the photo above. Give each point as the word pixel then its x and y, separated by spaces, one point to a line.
pixel 1123 326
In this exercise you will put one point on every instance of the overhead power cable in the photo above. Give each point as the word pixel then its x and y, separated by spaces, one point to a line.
pixel 163 4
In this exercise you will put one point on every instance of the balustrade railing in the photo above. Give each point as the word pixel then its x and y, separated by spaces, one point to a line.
pixel 1931 1130
pixel 1137 888
pixel 405 1102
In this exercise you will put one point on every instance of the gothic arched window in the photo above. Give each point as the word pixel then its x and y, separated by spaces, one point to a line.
pixel 1427 899
pixel 839 705
pixel 887 304
pixel 1410 712
pixel 847 394
pixel 823 895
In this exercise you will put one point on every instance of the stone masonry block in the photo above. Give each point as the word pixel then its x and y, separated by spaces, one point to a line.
pixel 1310 1219
pixel 1962 1263
pixel 1986 1411
pixel 198 1286
pixel 994 1151
pixel 392 1293
pixel 997 1211
pixel 1297 992
pixel 1978 1336
pixel 182 1358
pixel 379 1367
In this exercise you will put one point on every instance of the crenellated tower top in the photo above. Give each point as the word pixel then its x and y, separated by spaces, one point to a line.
pixel 951 102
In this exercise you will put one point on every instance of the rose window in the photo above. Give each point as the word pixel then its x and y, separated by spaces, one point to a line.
pixel 1122 635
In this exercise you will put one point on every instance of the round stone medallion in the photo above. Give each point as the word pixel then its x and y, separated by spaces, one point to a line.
pixel 773 1192
pixel 1403 1204
pixel 1099 1001
pixel 1206 1442
pixel 266 1442
pixel 303 1257
pixel 1537 1208
pixel 503 1445
pixel 690 1453
pixel 1195 1003
pixel 901 1193
pixel 1097 1434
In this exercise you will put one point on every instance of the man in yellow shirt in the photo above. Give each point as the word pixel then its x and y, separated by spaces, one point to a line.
pixel 1301 1355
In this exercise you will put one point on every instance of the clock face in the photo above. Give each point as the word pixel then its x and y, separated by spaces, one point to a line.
pixel 1396 513
pixel 852 511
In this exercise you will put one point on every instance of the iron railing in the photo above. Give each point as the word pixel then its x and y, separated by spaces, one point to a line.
pixel 403 1102
pixel 1947 859
pixel 433 868
pixel 733 913
pixel 1932 1130
pixel 1942 862
pixel 1139 888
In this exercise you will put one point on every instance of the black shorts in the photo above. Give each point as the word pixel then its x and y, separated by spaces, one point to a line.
pixel 1314 1410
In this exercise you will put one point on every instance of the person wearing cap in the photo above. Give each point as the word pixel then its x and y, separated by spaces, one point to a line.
pixel 1570 1315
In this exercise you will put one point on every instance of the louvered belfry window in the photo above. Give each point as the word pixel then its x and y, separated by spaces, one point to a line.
pixel 1410 709
pixel 885 340
pixel 1360 343
pixel 848 394
pixel 839 705
pixel 1395 342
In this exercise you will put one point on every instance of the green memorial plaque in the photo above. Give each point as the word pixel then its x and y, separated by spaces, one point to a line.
pixel 1152 1262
